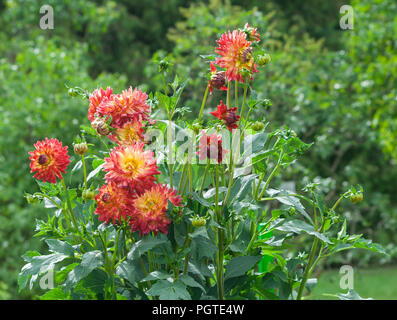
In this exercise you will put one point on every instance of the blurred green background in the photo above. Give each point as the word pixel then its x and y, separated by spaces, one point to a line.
pixel 336 88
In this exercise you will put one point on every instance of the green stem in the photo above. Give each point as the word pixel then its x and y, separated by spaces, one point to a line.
pixel 220 276
pixel 164 83
pixel 243 105
pixel 236 92
pixel 169 141
pixel 203 103
pixel 182 176
pixel 204 177
pixel 337 202
pixel 70 206
pixel 307 269
pixel 271 175
pixel 85 171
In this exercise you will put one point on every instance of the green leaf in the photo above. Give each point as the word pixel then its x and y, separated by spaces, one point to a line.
pixel 285 197
pixel 351 295
pixel 166 290
pixel 142 246
pixel 157 275
pixel 94 172
pixel 90 261
pixel 189 281
pixel 299 226
pixel 60 247
pixel 55 294
pixel 130 270
pixel 238 266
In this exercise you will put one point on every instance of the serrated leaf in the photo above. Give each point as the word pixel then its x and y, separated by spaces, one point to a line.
pixel 90 261
pixel 60 247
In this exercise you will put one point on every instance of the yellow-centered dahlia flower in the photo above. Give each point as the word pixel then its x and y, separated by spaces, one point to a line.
pixel 236 55
pixel 114 203
pixel 150 210
pixel 131 167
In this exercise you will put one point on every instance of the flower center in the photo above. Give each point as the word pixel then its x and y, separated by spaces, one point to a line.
pixel 43 159
pixel 105 196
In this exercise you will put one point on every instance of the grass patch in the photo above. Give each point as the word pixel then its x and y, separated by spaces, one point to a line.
pixel 377 283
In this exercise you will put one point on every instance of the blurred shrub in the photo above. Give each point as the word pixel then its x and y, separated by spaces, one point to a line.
pixel 124 31
pixel 33 104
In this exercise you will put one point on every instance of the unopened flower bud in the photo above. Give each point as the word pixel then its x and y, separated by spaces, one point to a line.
pixel 252 34
pixel 357 197
pixel 101 127
pixel 80 148
pixel 292 211
pixel 31 199
pixel 88 194
pixel 72 92
pixel 257 126
pixel 198 222
pixel 264 59
pixel 163 65
pixel 218 80
pixel 196 128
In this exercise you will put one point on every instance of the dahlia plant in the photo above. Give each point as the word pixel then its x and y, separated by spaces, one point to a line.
pixel 178 210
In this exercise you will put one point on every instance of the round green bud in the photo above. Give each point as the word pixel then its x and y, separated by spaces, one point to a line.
pixel 264 59
pixel 199 222
pixel 196 127
pixel 257 126
pixel 357 197
pixel 88 194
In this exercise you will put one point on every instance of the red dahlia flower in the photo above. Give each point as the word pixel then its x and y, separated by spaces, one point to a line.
pixel 114 203
pixel 236 55
pixel 228 116
pixel 150 210
pixel 130 105
pixel 217 79
pixel 50 160
pixel 96 98
pixel 131 166
pixel 211 147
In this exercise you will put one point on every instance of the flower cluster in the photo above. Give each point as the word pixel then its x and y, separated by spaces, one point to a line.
pixel 131 192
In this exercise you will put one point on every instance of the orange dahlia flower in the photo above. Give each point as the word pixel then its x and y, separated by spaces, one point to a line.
pixel 228 115
pixel 131 166
pixel 236 54
pixel 114 203
pixel 210 147
pixel 130 131
pixel 150 210
pixel 96 98
pixel 127 106
pixel 50 160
